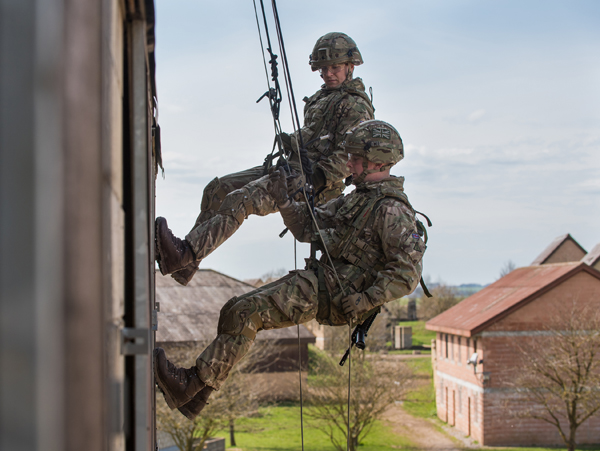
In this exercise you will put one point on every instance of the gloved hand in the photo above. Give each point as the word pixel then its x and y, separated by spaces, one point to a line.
pixel 354 305
pixel 277 187
pixel 286 139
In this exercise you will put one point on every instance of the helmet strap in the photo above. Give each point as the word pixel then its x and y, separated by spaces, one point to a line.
pixel 364 173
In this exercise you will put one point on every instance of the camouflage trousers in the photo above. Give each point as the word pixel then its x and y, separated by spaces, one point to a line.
pixel 291 300
pixel 228 200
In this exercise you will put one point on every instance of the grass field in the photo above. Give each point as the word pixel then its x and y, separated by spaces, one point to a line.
pixel 421 401
pixel 278 428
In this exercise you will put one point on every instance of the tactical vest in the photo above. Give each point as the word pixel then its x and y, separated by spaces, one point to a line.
pixel 345 243
pixel 326 128
pixel 327 101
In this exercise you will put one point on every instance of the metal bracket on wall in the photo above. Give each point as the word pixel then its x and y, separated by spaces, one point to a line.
pixel 134 341
pixel 155 316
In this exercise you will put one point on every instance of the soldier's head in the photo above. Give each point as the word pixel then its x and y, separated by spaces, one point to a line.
pixel 334 56
pixel 373 148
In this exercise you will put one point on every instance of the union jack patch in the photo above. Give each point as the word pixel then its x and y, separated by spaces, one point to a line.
pixel 416 236
pixel 381 132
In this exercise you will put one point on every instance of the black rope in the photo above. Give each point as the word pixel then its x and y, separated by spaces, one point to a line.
pixel 273 94
pixel 304 160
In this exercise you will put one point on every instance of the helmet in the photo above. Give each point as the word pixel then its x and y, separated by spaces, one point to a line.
pixel 334 48
pixel 376 141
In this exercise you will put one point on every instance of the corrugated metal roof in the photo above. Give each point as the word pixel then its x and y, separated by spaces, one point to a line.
pixel 511 292
pixel 191 313
pixel 592 257
pixel 553 247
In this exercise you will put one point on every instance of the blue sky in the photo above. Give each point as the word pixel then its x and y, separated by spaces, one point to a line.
pixel 498 105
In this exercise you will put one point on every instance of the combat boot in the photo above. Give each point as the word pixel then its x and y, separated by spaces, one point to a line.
pixel 172 253
pixel 195 406
pixel 183 276
pixel 179 385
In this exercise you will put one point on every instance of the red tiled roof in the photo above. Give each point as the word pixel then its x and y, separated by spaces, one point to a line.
pixel 502 297
pixel 553 247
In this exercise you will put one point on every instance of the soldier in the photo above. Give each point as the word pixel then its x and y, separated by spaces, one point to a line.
pixel 376 248
pixel 340 104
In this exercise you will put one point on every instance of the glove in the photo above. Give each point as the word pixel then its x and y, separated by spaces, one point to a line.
pixel 354 305
pixel 277 187
pixel 286 139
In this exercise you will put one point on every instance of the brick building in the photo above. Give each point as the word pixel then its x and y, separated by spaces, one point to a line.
pixel 593 257
pixel 562 249
pixel 491 323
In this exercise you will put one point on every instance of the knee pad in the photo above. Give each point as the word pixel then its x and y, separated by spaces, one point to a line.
pixel 213 195
pixel 239 317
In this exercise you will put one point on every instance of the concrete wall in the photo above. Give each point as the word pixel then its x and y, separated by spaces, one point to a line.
pixel 62 220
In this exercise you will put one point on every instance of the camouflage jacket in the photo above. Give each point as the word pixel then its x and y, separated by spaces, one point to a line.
pixel 330 113
pixel 372 236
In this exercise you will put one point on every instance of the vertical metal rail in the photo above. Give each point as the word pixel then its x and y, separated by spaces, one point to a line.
pixel 141 169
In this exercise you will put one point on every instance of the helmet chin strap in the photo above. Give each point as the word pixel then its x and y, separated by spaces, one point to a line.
pixel 363 175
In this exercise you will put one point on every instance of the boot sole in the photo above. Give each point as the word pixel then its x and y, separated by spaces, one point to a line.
pixel 170 401
pixel 186 413
pixel 157 248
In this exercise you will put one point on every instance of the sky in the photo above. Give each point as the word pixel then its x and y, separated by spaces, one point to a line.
pixel 497 103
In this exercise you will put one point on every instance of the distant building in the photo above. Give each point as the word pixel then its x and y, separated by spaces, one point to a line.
pixel 189 316
pixel 562 249
pixel 491 323
pixel 593 257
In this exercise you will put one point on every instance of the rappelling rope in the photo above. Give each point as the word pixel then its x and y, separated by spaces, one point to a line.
pixel 306 172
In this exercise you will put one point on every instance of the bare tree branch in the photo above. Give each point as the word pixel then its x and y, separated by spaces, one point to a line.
pixel 560 372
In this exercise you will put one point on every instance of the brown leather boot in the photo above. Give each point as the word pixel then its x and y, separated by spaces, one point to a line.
pixel 183 276
pixel 179 385
pixel 172 253
pixel 195 406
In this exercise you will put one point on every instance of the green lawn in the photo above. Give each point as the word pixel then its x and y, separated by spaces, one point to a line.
pixel 278 428
pixel 409 352
pixel 420 402
pixel 420 335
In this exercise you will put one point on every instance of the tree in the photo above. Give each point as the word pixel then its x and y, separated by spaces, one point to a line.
pixel 190 435
pixel 508 267
pixel 443 297
pixel 375 385
pixel 560 374
pixel 237 398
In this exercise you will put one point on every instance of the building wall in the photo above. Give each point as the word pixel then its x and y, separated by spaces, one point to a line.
pixel 492 396
pixel 568 251
pixel 114 217
pixel 459 391
pixel 62 233
pixel 503 341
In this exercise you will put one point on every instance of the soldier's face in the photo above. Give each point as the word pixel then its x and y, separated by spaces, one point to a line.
pixel 355 166
pixel 335 75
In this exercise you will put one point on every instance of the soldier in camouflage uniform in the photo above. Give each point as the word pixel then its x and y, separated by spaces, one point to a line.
pixel 376 247
pixel 340 104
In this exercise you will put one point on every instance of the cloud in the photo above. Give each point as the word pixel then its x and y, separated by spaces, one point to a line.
pixel 476 116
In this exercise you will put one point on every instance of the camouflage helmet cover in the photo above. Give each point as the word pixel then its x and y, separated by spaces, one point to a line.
pixel 334 48
pixel 376 141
